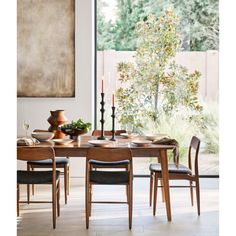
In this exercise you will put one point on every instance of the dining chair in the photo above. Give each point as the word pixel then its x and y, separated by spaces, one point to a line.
pixel 181 172
pixel 97 132
pixel 39 177
pixel 176 162
pixel 119 171
pixel 61 163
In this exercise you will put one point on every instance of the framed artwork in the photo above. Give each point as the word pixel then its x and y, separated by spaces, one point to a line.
pixel 46 48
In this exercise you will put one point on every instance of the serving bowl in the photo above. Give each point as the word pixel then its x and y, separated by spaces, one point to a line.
pixel 42 136
pixel 74 133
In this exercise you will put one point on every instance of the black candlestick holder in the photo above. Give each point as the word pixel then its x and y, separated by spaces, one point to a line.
pixel 113 124
pixel 102 137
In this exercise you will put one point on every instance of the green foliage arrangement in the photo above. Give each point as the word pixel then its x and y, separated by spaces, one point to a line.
pixel 80 124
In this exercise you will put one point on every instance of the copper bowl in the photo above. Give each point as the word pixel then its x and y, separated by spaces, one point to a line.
pixel 74 133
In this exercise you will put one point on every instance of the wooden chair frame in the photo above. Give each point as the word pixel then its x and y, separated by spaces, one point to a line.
pixel 108 155
pixel 65 172
pixel 97 132
pixel 194 177
pixel 36 154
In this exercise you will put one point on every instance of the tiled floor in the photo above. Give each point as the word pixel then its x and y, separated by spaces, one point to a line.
pixel 36 219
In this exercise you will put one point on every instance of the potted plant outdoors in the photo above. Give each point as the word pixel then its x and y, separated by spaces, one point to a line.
pixel 76 128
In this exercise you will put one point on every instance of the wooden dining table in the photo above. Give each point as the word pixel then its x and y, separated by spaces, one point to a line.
pixel 80 147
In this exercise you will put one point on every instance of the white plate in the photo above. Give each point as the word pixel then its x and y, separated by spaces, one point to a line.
pixel 153 137
pixel 63 141
pixel 99 143
pixel 127 135
pixel 141 142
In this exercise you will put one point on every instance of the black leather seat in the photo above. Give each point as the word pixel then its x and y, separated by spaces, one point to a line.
pixel 110 164
pixel 61 160
pixel 172 168
pixel 35 177
pixel 108 177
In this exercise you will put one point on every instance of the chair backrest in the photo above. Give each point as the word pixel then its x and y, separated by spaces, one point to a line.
pixel 35 153
pixel 194 149
pixel 97 132
pixel 109 154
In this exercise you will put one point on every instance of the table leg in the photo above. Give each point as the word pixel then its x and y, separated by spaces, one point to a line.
pixel 165 177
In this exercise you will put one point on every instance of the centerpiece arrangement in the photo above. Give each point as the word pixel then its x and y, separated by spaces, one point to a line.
pixel 76 128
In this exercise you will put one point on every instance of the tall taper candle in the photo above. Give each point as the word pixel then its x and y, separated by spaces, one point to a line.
pixel 113 100
pixel 102 85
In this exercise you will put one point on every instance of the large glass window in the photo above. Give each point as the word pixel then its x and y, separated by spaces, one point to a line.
pixel 160 59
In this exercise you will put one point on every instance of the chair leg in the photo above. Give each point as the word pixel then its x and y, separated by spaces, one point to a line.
pixel 151 189
pixel 198 196
pixel 162 191
pixel 68 175
pixel 58 198
pixel 162 188
pixel 90 199
pixel 32 169
pixel 191 191
pixel 54 206
pixel 28 186
pixel 65 183
pixel 18 199
pixel 130 204
pixel 87 205
pixel 68 180
pixel 155 194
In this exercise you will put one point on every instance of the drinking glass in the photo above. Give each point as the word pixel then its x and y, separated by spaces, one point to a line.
pixel 26 127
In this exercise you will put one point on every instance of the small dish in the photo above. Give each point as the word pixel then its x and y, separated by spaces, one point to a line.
pixel 127 135
pixel 153 137
pixel 141 142
pixel 99 143
pixel 63 141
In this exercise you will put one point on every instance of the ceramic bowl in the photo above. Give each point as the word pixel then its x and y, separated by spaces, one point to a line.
pixel 42 136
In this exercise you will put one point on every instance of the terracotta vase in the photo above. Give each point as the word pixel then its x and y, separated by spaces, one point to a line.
pixel 56 119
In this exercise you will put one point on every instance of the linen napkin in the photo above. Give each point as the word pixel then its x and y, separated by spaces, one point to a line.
pixel 169 141
pixel 27 141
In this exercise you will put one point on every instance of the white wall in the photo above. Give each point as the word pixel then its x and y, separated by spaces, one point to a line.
pixel 37 110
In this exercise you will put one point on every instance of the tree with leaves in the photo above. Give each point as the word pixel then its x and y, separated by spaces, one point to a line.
pixel 199 23
pixel 154 85
pixel 105 30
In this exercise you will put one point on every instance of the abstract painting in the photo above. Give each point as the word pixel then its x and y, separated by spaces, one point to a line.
pixel 46 48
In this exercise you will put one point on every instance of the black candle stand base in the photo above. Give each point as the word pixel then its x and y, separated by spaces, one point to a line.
pixel 102 137
pixel 113 124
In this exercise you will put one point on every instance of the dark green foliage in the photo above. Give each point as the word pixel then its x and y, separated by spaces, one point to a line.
pixel 199 23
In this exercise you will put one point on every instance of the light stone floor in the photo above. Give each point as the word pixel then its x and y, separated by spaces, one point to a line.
pixel 36 219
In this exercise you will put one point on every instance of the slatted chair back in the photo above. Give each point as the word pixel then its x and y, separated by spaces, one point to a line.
pixel 97 132
pixel 109 154
pixel 193 154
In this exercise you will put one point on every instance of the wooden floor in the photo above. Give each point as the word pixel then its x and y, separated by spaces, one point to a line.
pixel 36 219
